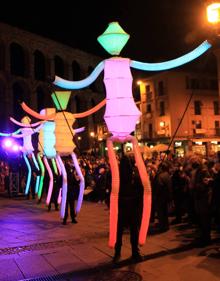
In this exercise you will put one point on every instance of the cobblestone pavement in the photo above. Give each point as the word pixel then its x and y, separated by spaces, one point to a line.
pixel 34 245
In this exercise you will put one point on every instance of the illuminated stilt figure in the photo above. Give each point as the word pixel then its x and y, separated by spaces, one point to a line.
pixel 64 145
pixel 121 112
pixel 26 133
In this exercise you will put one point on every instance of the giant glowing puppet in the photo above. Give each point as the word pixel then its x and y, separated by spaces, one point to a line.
pixel 122 113
pixel 46 141
pixel 25 132
pixel 62 138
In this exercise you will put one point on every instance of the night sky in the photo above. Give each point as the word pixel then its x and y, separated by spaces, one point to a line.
pixel 159 29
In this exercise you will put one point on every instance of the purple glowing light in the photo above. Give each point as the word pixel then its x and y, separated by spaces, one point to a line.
pixel 7 143
pixel 11 146
pixel 15 147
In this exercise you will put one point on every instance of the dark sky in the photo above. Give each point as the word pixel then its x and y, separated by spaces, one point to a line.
pixel 159 29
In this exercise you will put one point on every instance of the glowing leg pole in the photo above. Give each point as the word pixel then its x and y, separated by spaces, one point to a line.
pixel 41 177
pixel 60 173
pixel 147 191
pixel 82 182
pixel 38 177
pixel 64 187
pixel 113 221
pixel 29 174
pixel 54 165
pixel 50 189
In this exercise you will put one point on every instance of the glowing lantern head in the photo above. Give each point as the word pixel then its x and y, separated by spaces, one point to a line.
pixel 26 120
pixel 113 39
pixel 213 13
pixel 61 99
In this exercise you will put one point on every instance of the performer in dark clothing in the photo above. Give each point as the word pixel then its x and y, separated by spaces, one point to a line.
pixel 72 192
pixel 57 183
pixel 203 199
pixel 163 194
pixel 129 208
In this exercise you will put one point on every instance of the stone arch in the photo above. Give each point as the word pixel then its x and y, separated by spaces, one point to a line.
pixel 17 60
pixel 3 112
pixel 2 56
pixel 41 98
pixel 39 66
pixel 92 87
pixel 59 66
pixel 21 92
pixel 76 71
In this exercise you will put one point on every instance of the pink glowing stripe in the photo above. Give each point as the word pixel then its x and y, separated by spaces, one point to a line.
pixel 36 114
pixel 24 125
pixel 113 220
pixel 50 189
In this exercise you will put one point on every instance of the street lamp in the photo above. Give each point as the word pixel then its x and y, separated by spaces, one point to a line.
pixel 213 15
pixel 92 135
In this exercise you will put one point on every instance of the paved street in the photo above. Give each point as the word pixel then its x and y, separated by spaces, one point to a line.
pixel 34 245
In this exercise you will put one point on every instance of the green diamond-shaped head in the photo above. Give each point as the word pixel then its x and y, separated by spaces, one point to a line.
pixel 113 39
pixel 61 99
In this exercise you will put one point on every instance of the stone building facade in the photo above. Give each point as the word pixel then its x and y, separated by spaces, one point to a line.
pixel 28 62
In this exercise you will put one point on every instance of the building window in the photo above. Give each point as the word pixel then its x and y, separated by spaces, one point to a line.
pixel 217 128
pixel 147 88
pixel 216 107
pixel 161 88
pixel 59 66
pixel 17 60
pixel 162 108
pixel 150 129
pixel 148 108
pixel 198 124
pixel 39 66
pixel 148 93
pixel 197 107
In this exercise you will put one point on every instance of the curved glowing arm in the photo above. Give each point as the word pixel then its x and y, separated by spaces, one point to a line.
pixel 90 111
pixel 35 114
pixel 10 134
pixel 24 125
pixel 36 130
pixel 74 85
pixel 201 49
pixel 79 130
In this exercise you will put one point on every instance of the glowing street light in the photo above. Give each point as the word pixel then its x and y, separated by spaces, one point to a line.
pixel 213 13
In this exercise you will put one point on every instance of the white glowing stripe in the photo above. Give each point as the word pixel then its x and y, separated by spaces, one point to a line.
pixel 201 49
pixel 74 85
pixel 64 187
pixel 82 182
